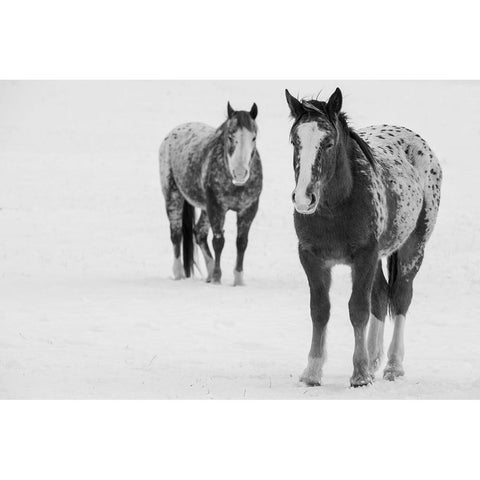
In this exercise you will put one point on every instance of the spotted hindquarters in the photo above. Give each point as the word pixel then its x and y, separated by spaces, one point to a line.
pixel 403 266
pixel 181 216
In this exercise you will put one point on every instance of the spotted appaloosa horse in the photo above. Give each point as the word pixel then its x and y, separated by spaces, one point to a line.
pixel 359 197
pixel 215 170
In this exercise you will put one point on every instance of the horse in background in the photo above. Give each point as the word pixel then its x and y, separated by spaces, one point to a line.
pixel 214 170
pixel 360 196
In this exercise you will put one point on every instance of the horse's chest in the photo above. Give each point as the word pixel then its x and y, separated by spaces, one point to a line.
pixel 230 196
pixel 239 198
pixel 334 239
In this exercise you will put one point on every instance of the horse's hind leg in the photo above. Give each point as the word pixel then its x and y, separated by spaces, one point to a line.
pixel 201 234
pixel 174 203
pixel 244 222
pixel 403 267
pixel 377 320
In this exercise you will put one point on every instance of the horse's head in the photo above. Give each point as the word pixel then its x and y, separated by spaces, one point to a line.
pixel 315 138
pixel 240 136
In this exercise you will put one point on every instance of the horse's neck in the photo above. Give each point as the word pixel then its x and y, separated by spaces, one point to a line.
pixel 339 188
pixel 215 149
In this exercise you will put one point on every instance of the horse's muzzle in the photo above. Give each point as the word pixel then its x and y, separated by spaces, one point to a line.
pixel 305 204
pixel 240 178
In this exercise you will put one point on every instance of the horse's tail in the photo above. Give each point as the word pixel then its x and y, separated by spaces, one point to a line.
pixel 188 222
pixel 392 264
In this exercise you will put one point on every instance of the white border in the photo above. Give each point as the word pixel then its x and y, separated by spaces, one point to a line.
pixel 304 39
pixel 227 40
pixel 238 440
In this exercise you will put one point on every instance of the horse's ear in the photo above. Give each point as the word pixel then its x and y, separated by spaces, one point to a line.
pixel 334 104
pixel 230 110
pixel 254 111
pixel 296 108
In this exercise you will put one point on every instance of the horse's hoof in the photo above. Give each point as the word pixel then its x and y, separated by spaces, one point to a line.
pixel 392 372
pixel 312 375
pixel 311 381
pixel 360 380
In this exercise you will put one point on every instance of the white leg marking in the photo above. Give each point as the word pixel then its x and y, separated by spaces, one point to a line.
pixel 238 278
pixel 375 343
pixel 312 375
pixel 396 350
pixel 178 272
pixel 209 263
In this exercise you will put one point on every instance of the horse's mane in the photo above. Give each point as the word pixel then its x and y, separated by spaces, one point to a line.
pixel 318 108
pixel 216 140
pixel 364 147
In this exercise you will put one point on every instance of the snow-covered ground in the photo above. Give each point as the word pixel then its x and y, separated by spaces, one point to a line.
pixel 88 308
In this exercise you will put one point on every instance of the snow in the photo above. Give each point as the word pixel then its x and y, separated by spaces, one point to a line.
pixel 88 308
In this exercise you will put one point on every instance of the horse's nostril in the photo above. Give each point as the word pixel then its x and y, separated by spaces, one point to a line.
pixel 313 201
pixel 293 197
pixel 239 173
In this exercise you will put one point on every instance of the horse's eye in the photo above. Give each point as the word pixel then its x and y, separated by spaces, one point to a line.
pixel 328 146
pixel 254 138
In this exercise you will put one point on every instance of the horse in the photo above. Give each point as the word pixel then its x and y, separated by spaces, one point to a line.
pixel 214 170
pixel 360 196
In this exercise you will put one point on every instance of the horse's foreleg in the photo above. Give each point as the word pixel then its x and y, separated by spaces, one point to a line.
pixel 218 244
pixel 377 320
pixel 244 221
pixel 319 279
pixel 216 216
pixel 363 272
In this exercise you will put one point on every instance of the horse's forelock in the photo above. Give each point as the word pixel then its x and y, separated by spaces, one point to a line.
pixel 244 120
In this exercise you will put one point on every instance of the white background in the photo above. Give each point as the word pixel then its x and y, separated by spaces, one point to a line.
pixel 46 440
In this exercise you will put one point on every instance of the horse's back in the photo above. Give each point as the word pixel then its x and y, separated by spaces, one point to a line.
pixel 409 180
pixel 181 159
pixel 399 148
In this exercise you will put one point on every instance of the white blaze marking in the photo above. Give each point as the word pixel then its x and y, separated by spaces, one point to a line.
pixel 310 137
pixel 396 351
pixel 239 162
